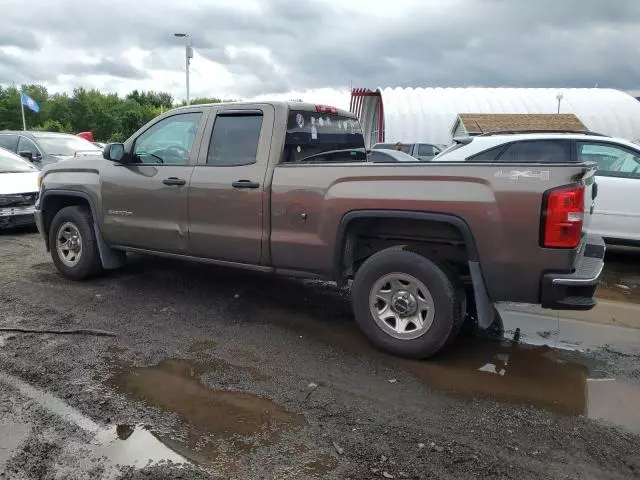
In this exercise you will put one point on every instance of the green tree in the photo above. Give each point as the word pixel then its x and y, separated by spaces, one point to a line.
pixel 110 117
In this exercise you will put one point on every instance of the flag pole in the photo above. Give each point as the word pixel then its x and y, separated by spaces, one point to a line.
pixel 24 122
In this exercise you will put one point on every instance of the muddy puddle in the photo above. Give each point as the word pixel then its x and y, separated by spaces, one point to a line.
pixel 117 445
pixel 510 372
pixel 620 279
pixel 217 420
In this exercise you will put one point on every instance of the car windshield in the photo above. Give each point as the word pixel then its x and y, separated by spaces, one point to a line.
pixel 10 163
pixel 64 145
pixel 310 133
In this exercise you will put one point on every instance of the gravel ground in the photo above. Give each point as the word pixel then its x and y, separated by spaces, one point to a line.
pixel 227 374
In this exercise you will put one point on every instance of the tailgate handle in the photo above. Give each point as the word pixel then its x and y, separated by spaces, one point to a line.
pixel 245 184
pixel 174 181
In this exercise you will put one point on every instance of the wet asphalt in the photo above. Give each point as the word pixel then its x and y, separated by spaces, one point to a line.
pixel 217 373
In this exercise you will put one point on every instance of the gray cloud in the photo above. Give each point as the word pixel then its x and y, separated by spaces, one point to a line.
pixel 11 36
pixel 316 44
pixel 106 66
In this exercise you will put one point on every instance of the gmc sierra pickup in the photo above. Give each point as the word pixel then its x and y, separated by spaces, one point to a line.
pixel 288 188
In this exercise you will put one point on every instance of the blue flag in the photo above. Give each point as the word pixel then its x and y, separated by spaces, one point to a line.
pixel 30 103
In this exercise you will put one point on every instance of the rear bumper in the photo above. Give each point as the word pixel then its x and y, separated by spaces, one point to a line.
pixel 575 291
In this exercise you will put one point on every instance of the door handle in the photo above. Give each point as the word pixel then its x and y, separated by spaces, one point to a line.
pixel 245 184
pixel 174 181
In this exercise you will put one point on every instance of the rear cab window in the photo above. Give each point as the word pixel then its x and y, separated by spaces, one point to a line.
pixel 234 139
pixel 323 137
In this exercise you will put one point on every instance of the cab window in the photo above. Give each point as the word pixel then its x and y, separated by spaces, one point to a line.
pixel 234 139
pixel 169 141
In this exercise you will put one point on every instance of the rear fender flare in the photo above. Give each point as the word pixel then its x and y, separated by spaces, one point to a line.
pixel 484 306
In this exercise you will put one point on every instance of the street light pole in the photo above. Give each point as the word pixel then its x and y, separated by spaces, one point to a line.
pixel 559 97
pixel 188 55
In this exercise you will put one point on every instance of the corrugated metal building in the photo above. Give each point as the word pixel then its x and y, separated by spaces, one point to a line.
pixel 428 114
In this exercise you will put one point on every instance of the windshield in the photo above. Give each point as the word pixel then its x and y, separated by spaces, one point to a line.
pixel 10 163
pixel 64 146
pixel 310 133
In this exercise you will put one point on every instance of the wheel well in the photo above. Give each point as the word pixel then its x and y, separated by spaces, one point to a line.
pixel 55 203
pixel 435 239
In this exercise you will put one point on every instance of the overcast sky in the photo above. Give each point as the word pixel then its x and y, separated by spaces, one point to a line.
pixel 245 48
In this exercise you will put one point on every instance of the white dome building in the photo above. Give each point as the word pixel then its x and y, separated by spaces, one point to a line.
pixel 428 114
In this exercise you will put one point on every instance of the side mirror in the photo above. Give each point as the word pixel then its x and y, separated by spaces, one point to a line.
pixel 27 155
pixel 114 152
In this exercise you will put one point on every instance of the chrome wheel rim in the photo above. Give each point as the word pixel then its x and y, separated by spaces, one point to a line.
pixel 402 306
pixel 69 244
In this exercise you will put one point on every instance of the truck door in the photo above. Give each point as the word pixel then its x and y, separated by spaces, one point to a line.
pixel 228 197
pixel 145 202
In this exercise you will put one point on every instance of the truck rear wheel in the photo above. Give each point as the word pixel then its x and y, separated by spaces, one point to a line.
pixel 406 304
pixel 73 245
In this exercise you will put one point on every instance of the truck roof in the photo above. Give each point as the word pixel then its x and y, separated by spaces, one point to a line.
pixel 291 105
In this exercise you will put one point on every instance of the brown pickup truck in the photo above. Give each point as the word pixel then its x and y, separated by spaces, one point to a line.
pixel 288 188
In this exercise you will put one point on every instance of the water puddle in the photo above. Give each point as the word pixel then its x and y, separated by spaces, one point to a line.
pixel 119 445
pixel 132 445
pixel 539 375
pixel 531 375
pixel 620 280
pixel 238 419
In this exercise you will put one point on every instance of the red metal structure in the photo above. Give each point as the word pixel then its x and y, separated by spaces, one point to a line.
pixel 375 125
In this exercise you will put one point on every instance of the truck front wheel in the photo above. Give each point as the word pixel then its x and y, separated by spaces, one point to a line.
pixel 405 303
pixel 73 245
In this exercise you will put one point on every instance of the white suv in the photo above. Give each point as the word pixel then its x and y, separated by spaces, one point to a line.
pixel 616 215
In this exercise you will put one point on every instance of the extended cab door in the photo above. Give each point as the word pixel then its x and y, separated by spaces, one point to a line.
pixel 145 201
pixel 228 199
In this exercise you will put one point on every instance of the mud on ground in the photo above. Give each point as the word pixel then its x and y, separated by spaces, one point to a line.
pixel 223 374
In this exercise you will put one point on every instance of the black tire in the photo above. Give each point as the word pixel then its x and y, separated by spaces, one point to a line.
pixel 444 292
pixel 89 264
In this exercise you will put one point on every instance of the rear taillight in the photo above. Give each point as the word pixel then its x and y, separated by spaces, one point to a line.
pixel 563 217
pixel 326 109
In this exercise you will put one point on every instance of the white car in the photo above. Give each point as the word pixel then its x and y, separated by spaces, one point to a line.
pixel 18 190
pixel 616 215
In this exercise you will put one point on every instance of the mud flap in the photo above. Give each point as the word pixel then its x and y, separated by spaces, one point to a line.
pixel 110 258
pixel 485 309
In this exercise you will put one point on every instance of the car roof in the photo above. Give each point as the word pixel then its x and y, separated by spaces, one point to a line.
pixel 37 133
pixel 480 143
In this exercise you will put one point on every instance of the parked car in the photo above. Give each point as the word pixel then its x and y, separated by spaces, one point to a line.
pixel 43 148
pixel 390 156
pixel 287 188
pixel 422 151
pixel 18 190
pixel 616 212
